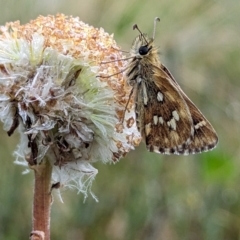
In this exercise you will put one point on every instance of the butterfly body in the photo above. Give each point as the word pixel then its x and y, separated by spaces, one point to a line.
pixel 166 118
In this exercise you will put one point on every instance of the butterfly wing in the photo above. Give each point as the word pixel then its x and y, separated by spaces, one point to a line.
pixel 163 117
pixel 172 124
pixel 204 136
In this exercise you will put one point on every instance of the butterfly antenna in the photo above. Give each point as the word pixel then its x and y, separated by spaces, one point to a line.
pixel 135 26
pixel 157 19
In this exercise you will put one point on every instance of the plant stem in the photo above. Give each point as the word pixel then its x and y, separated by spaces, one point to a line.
pixel 42 201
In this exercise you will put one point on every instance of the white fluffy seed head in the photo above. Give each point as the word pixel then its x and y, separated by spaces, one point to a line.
pixel 50 91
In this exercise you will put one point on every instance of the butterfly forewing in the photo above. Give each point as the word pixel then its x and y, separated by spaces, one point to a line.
pixel 203 135
pixel 163 117
pixel 166 118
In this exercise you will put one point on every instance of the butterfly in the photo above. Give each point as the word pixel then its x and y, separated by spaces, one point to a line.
pixel 167 119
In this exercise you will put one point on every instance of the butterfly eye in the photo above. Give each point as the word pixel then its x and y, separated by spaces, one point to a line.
pixel 143 50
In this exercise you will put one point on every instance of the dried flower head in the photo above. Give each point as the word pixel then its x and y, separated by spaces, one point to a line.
pixel 51 92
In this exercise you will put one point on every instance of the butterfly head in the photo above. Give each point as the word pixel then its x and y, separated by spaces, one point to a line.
pixel 143 45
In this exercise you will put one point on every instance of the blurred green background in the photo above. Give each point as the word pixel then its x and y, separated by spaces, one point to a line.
pixel 146 195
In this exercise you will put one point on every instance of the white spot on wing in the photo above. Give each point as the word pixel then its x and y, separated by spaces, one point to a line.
pixel 175 115
pixel 155 119
pixel 161 120
pixel 148 129
pixel 189 140
pixel 156 149
pixel 159 96
pixel 192 131
pixel 172 124
pixel 200 124
pixel 145 96
pixel 186 152
pixel 167 151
